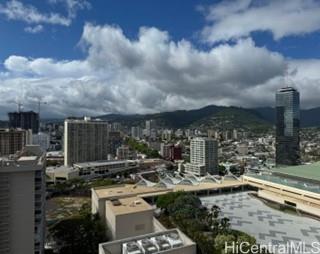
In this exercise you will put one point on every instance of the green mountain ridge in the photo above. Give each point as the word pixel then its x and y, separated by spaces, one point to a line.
pixel 216 117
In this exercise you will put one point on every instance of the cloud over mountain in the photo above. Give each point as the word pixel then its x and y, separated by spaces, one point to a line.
pixel 152 73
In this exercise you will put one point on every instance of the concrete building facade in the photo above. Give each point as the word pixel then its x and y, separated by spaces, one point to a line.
pixel 128 217
pixel 136 132
pixel 24 120
pixel 22 202
pixel 42 139
pixel 85 140
pixel 203 157
pixel 13 140
pixel 123 153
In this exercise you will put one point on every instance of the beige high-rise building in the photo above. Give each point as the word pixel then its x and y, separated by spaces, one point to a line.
pixel 13 140
pixel 85 140
pixel 22 202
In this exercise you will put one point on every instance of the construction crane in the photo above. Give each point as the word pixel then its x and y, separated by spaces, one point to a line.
pixel 20 106
pixel 39 102
pixel 39 105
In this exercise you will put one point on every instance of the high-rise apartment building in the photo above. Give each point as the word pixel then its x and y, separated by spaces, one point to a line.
pixel 22 202
pixel 42 139
pixel 136 132
pixel 114 141
pixel 123 153
pixel 203 157
pixel 13 140
pixel 287 126
pixel 150 128
pixel 150 124
pixel 171 152
pixel 24 120
pixel 165 150
pixel 85 140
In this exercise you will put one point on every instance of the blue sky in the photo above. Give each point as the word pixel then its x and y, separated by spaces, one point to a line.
pixel 180 18
pixel 94 57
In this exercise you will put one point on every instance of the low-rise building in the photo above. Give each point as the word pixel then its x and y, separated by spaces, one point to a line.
pixel 90 170
pixel 105 168
pixel 132 226
pixel 61 174
pixel 127 217
pixel 166 242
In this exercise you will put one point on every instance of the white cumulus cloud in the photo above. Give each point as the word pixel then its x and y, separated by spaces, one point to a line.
pixel 153 73
pixel 34 29
pixel 229 20
pixel 16 10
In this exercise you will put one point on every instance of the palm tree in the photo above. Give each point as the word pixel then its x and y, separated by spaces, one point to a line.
pixel 224 225
pixel 212 219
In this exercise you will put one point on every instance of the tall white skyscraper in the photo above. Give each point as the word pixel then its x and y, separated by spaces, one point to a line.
pixel 150 127
pixel 150 124
pixel 203 157
pixel 22 202
pixel 85 140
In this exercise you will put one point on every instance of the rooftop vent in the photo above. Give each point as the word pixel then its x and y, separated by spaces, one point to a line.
pixel 131 248
pixel 115 202
pixel 148 246
pixel 137 202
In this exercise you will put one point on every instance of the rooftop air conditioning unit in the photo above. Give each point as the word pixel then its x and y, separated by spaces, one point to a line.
pixel 174 239
pixel 148 246
pixel 131 248
pixel 162 242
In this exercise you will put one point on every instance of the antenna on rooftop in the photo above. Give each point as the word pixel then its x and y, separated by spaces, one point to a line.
pixel 288 81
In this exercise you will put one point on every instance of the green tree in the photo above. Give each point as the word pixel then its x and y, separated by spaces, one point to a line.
pixel 164 201
pixel 222 170
pixel 224 225
pixel 221 241
pixel 212 219
pixel 80 234
pixel 187 207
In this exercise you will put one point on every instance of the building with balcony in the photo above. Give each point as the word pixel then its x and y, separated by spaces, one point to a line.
pixel 22 202
pixel 203 157
pixel 85 140
pixel 13 140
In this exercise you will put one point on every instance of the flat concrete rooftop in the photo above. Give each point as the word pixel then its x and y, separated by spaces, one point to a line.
pixel 121 191
pixel 310 171
pixel 101 163
pixel 134 190
pixel 128 205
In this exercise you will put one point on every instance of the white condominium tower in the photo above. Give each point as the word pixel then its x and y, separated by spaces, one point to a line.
pixel 22 202
pixel 203 157
pixel 85 140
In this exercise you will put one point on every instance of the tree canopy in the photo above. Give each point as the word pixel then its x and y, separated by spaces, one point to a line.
pixel 205 226
pixel 80 234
